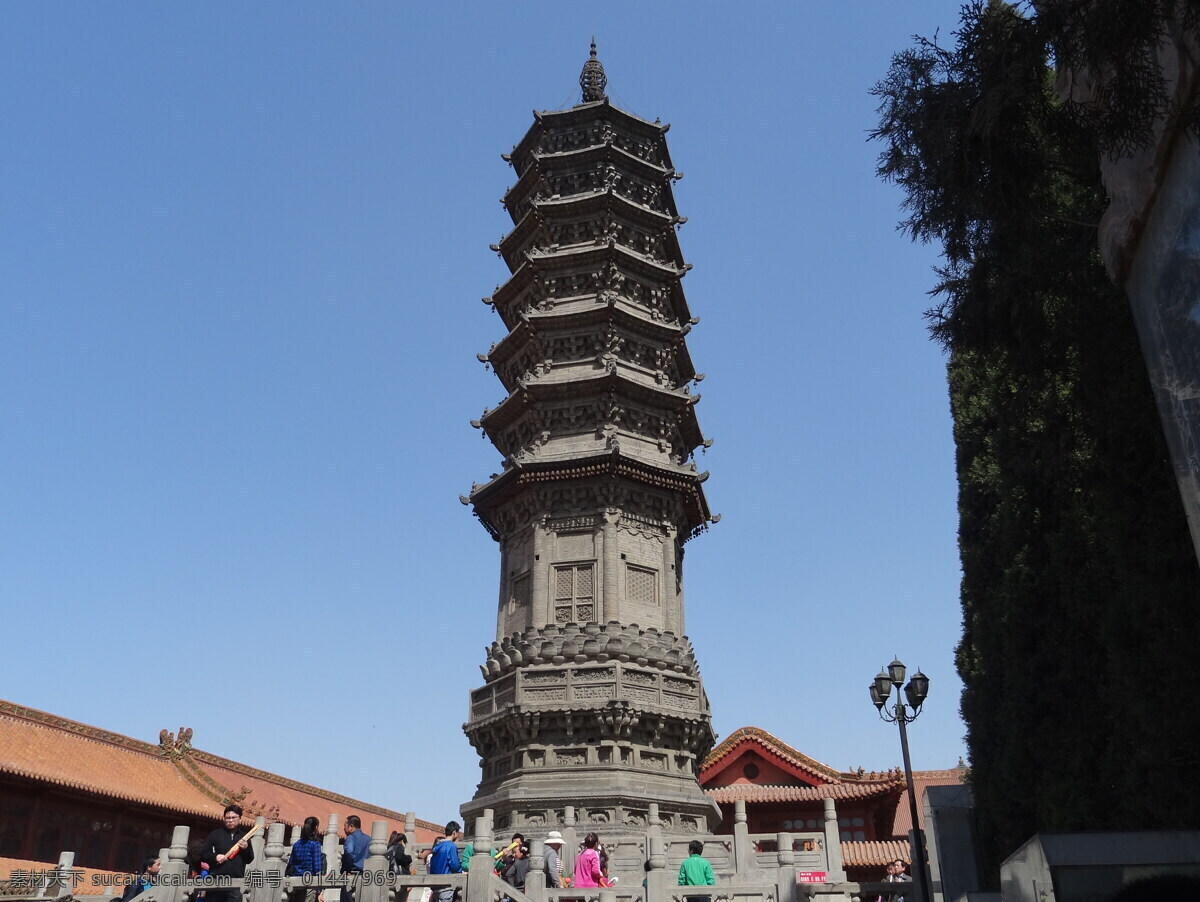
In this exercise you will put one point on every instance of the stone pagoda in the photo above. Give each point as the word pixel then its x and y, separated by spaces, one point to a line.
pixel 592 698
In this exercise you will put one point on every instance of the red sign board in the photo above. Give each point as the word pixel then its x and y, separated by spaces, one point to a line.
pixel 810 877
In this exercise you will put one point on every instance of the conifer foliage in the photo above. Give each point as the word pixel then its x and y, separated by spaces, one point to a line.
pixel 1079 585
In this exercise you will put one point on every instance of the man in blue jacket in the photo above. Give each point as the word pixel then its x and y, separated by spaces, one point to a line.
pixel 444 859
pixel 354 854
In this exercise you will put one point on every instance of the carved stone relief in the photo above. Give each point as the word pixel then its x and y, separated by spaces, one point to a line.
pixel 654 762
pixel 575 546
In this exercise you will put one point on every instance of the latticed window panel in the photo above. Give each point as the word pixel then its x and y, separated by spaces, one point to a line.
pixel 583 581
pixel 641 584
pixel 575 593
pixel 564 583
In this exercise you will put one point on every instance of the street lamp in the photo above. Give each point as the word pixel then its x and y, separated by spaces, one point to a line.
pixel 914 692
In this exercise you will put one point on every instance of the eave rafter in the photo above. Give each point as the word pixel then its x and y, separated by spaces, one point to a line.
pixel 541 391
pixel 606 204
pixel 601 265
pixel 686 482
pixel 529 335
pixel 583 114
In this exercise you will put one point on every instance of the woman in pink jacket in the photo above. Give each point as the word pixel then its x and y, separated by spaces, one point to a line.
pixel 587 865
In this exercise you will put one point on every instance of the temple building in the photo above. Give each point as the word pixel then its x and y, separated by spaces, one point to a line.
pixel 784 791
pixel 592 697
pixel 112 799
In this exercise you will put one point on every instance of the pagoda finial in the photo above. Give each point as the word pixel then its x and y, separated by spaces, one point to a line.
pixel 592 79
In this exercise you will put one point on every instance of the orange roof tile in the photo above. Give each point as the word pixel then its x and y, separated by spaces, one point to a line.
pixel 170 775
pixel 773 745
pixel 752 792
pixel 292 801
pixel 873 854
pixel 39 746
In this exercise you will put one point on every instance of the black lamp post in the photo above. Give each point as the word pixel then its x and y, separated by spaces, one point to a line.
pixel 914 692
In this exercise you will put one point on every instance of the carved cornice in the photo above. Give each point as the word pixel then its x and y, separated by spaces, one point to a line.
pixel 684 484
pixel 590 120
pixel 657 732
pixel 594 212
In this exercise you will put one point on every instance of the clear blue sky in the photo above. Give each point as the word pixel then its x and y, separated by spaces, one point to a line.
pixel 242 252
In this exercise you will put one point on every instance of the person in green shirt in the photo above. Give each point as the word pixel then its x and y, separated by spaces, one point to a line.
pixel 696 871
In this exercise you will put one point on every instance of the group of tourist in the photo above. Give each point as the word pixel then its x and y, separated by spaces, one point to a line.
pixel 227 850
pixel 512 862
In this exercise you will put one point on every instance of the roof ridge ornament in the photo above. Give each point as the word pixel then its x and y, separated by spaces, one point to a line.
pixel 592 79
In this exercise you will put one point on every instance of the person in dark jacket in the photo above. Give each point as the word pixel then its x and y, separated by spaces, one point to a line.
pixel 399 861
pixel 144 880
pixel 228 851
pixel 307 859
pixel 518 868
pixel 354 854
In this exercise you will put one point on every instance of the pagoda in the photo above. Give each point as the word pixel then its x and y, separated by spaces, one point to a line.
pixel 592 697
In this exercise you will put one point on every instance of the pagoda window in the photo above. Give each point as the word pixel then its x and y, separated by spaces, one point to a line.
pixel 641 584
pixel 575 593
pixel 518 593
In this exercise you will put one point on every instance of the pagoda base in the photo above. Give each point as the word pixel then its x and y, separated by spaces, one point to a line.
pixel 607 802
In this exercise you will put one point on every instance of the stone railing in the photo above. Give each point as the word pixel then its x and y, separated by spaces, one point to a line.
pixel 749 868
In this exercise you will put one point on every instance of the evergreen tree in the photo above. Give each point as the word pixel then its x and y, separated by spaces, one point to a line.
pixel 1079 584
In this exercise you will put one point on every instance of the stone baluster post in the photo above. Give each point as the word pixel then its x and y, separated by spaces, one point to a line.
pixel 164 855
pixel 835 871
pixel 479 874
pixel 57 884
pixel 743 855
pixel 535 881
pixel 608 895
pixel 787 868
pixel 654 829
pixel 410 830
pixel 333 856
pixel 570 841
pixel 375 868
pixel 488 815
pixel 259 840
pixel 173 867
pixel 657 879
pixel 267 883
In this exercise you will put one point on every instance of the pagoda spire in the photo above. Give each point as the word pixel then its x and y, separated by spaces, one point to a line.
pixel 592 79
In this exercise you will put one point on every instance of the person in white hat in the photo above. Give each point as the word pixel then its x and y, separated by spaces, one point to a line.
pixel 554 868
